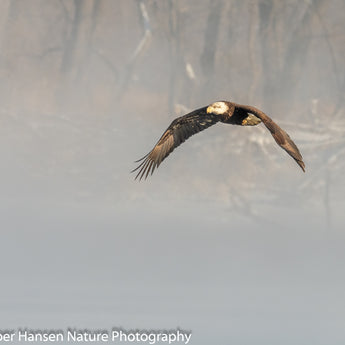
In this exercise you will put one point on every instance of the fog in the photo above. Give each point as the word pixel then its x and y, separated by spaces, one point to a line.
pixel 228 239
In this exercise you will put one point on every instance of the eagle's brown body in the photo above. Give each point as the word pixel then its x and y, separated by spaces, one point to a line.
pixel 227 112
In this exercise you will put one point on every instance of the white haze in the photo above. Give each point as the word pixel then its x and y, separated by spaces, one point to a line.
pixel 228 238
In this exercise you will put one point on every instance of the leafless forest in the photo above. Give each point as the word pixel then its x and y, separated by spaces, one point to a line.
pixel 75 73
pixel 88 86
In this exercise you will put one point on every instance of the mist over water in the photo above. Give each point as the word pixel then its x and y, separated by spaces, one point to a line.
pixel 228 239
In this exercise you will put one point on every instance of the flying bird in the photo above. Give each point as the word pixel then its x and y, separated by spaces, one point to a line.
pixel 196 121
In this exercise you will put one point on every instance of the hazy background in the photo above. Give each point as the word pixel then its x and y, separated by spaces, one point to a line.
pixel 229 238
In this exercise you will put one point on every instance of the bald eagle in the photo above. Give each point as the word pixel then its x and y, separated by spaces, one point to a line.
pixel 227 112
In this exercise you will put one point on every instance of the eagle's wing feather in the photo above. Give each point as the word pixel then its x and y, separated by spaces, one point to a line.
pixel 280 136
pixel 179 130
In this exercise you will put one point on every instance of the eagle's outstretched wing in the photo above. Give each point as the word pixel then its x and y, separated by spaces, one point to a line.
pixel 179 130
pixel 280 136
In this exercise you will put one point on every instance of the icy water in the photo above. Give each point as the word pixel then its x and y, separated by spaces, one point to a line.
pixel 197 266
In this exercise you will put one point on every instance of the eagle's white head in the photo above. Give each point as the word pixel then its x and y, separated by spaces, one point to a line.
pixel 218 108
